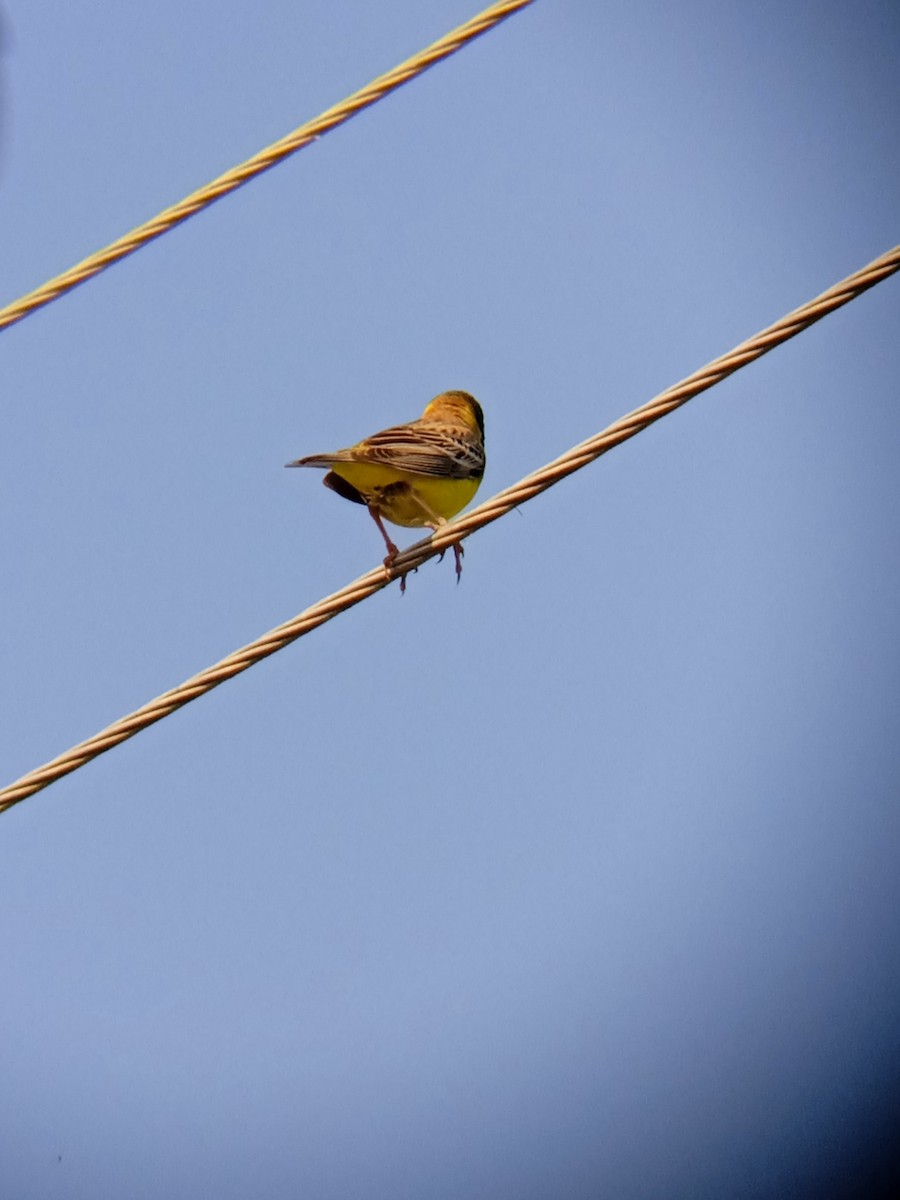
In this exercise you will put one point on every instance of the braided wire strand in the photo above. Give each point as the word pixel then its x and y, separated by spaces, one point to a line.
pixel 491 510
pixel 262 161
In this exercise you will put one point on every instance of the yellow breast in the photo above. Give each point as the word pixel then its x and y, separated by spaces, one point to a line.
pixel 404 497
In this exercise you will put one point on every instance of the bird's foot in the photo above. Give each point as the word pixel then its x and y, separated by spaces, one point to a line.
pixel 389 559
pixel 458 552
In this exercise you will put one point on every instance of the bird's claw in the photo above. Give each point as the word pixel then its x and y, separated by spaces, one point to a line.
pixel 458 552
pixel 389 559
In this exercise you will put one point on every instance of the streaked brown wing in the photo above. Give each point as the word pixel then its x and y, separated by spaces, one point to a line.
pixel 424 449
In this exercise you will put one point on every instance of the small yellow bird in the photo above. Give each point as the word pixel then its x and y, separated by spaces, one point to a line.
pixel 416 475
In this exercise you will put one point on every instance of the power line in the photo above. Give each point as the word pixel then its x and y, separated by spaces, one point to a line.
pixel 262 161
pixel 526 489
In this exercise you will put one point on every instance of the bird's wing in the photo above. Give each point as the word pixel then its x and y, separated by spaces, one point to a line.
pixel 424 449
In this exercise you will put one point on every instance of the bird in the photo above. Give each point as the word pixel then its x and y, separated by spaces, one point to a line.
pixel 416 475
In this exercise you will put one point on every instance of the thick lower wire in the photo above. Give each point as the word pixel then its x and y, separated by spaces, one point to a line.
pixel 491 510
pixel 262 161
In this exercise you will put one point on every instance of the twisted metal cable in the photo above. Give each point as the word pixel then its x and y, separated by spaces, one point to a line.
pixel 243 172
pixel 454 531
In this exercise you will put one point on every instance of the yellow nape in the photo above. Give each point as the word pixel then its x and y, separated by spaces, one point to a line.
pixel 406 498
pixel 457 407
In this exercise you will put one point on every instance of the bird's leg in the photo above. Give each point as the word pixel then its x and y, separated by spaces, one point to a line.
pixel 392 550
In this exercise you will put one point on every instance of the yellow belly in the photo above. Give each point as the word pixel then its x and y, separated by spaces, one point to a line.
pixel 405 498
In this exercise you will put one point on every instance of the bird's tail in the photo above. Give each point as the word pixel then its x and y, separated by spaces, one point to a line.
pixel 313 460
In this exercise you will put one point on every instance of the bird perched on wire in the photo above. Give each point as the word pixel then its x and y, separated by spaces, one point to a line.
pixel 416 475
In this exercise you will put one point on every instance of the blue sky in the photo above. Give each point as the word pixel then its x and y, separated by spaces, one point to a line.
pixel 579 878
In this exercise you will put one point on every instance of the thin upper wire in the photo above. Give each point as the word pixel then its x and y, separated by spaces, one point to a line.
pixel 491 510
pixel 245 171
